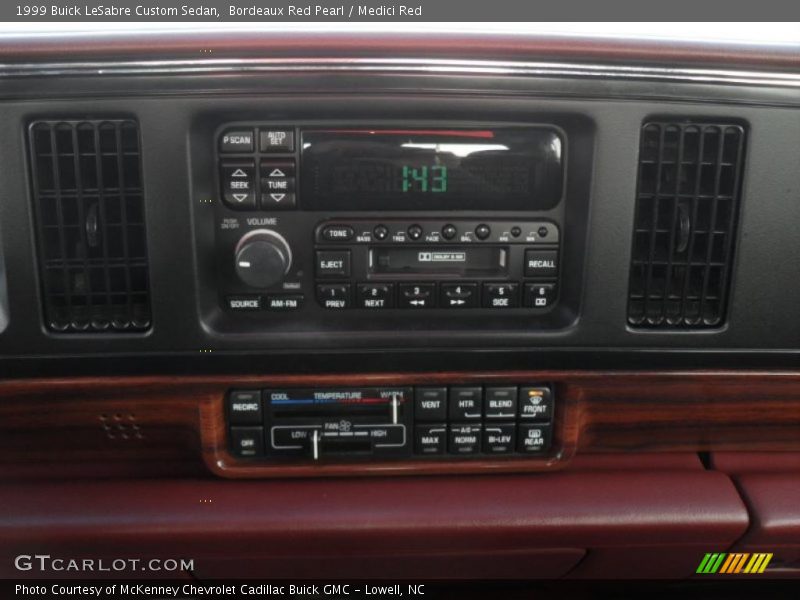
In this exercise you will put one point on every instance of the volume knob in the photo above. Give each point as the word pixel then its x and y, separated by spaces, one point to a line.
pixel 263 258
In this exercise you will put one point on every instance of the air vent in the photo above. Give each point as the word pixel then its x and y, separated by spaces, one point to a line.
pixel 89 210
pixel 687 202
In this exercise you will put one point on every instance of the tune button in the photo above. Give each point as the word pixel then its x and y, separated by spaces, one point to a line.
pixel 449 231
pixel 381 232
pixel 483 231
pixel 414 232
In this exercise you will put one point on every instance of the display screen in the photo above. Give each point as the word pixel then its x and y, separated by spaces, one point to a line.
pixel 519 169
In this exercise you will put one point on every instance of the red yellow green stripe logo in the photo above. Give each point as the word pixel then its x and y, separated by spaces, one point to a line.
pixel 734 562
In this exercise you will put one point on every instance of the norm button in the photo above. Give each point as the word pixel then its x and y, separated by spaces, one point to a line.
pixel 430 404
pixel 536 403
pixel 244 407
pixel 276 140
pixel 466 403
pixel 333 263
pixel 501 402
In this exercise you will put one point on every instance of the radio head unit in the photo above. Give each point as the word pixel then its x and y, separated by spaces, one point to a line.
pixel 320 223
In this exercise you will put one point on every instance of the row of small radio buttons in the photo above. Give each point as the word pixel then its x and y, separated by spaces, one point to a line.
pixel 338 296
pixel 482 231
pixel 429 439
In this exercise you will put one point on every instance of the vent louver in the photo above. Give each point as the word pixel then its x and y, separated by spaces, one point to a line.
pixel 89 211
pixel 687 202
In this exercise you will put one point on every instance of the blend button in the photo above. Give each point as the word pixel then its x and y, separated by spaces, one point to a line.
pixel 501 402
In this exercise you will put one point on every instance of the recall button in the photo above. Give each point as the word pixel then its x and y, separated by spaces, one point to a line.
pixel 541 263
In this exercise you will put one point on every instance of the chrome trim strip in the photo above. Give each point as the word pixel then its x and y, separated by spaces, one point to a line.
pixel 400 65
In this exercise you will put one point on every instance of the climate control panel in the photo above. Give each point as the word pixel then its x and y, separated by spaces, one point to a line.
pixel 426 422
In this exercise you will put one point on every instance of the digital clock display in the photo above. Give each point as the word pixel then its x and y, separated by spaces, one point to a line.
pixel 516 169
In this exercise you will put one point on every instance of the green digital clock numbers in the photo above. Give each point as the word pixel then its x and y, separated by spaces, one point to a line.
pixel 423 179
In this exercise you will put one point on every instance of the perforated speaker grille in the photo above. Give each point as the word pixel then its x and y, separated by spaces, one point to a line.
pixel 687 204
pixel 89 211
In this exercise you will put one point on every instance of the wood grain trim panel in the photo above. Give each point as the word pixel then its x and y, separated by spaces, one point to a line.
pixel 122 425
